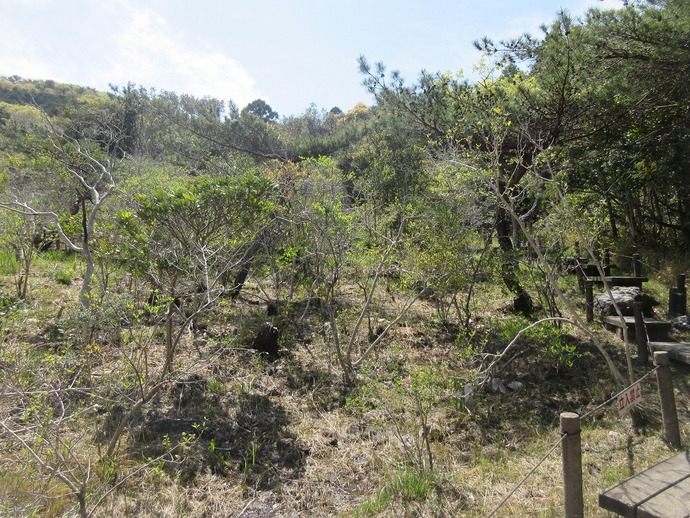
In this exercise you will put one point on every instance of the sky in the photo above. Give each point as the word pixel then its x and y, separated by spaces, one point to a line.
pixel 290 53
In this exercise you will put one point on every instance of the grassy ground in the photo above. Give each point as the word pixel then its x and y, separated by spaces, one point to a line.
pixel 234 434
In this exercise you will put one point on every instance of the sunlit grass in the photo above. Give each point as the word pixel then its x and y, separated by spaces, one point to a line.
pixel 8 263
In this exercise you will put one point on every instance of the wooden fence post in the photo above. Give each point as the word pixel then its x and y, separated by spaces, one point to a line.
pixel 637 265
pixel 572 465
pixel 680 282
pixel 669 415
pixel 589 300
pixel 682 294
pixel 640 334
pixel 673 310
pixel 607 262
pixel 580 274
pixel 677 297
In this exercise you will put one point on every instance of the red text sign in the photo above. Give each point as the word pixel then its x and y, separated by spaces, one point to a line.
pixel 628 399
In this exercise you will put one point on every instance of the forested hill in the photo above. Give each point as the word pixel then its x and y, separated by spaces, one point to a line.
pixel 51 96
pixel 600 104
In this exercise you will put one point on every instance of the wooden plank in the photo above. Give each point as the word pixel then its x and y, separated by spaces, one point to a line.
pixel 649 485
pixel 616 321
pixel 679 351
pixel 618 280
pixel 591 270
pixel 630 322
pixel 672 503
pixel 657 329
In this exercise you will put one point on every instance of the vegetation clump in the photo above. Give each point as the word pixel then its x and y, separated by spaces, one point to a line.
pixel 207 310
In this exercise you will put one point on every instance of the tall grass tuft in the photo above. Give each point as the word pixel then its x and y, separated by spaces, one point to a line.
pixel 8 263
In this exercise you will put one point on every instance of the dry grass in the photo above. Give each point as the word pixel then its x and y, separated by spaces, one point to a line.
pixel 237 435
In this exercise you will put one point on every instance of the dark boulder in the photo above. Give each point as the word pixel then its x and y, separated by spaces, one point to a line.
pixel 681 324
pixel 266 340
pixel 623 296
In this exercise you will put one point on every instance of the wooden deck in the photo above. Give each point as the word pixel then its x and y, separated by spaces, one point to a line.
pixel 662 491
pixel 617 280
pixel 678 351
pixel 656 329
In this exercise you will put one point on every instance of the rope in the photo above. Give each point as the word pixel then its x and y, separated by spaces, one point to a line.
pixel 507 497
pixel 644 263
pixel 615 397
pixel 560 440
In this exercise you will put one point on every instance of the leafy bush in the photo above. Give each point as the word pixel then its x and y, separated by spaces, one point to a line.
pixel 5 300
pixel 64 277
pixel 8 263
pixel 547 339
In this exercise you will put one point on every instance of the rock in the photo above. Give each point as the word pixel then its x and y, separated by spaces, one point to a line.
pixel 681 324
pixel 469 392
pixel 615 437
pixel 266 340
pixel 515 385
pixel 624 296
pixel 498 386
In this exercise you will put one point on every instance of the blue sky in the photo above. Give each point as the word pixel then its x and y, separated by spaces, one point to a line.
pixel 291 53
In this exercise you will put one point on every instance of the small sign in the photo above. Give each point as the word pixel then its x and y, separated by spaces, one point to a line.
pixel 628 399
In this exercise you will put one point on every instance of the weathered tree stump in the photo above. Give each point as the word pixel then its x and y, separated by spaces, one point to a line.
pixel 677 298
pixel 266 340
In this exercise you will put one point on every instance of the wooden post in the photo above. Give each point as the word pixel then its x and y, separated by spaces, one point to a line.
pixel 668 400
pixel 637 265
pixel 589 300
pixel 676 305
pixel 579 272
pixel 677 298
pixel 607 262
pixel 640 334
pixel 682 294
pixel 572 465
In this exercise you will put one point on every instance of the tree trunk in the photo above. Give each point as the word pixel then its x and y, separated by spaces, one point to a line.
pixel 169 342
pixel 683 215
pixel 85 293
pixel 23 285
pixel 246 261
pixel 522 303
pixel 612 218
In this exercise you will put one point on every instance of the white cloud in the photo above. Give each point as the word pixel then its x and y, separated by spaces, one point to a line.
pixel 18 55
pixel 97 44
pixel 532 22
pixel 147 54
pixel 600 4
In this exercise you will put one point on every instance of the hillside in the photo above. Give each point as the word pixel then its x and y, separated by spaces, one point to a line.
pixel 235 431
pixel 51 96
pixel 209 310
